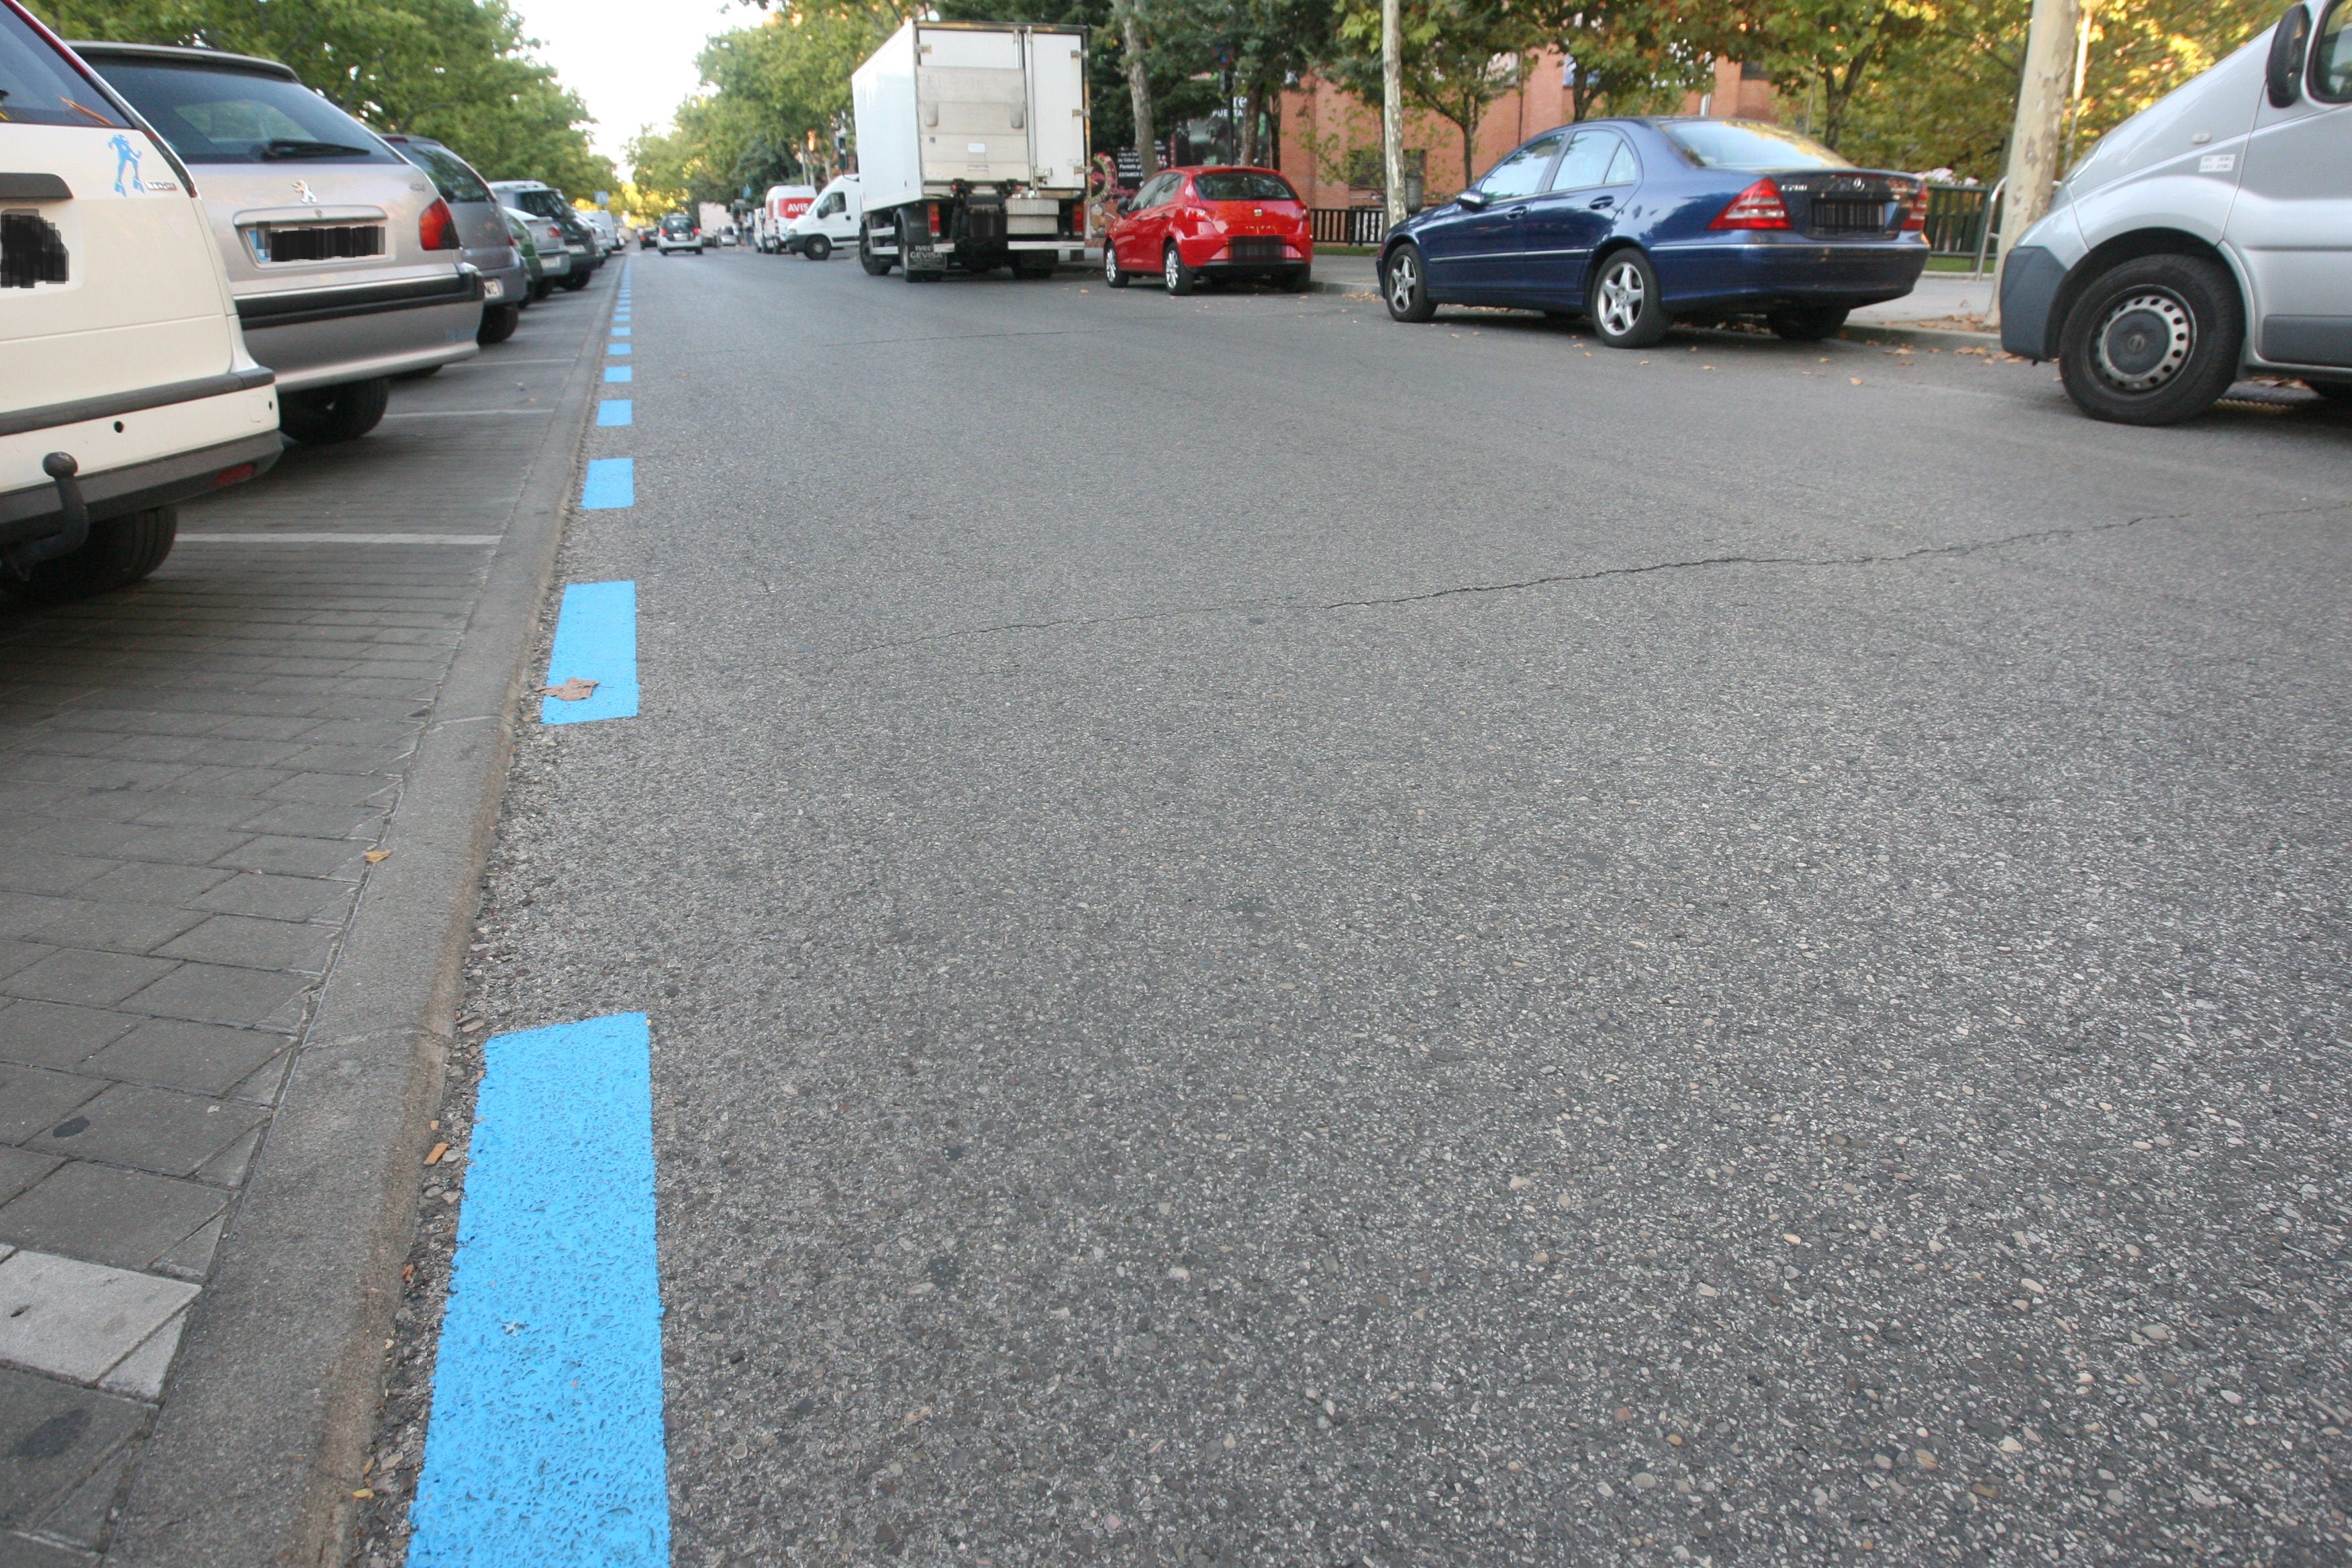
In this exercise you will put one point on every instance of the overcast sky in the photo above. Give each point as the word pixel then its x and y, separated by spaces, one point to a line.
pixel 632 60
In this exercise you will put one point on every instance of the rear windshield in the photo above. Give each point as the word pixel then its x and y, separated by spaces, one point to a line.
pixel 1239 185
pixel 674 224
pixel 456 182
pixel 36 85
pixel 545 203
pixel 234 117
pixel 1748 144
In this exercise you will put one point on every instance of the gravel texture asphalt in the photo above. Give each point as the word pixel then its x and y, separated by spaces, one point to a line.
pixel 1274 937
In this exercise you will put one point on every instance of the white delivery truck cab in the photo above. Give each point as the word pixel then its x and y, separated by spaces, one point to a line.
pixel 972 149
pixel 778 208
pixel 830 223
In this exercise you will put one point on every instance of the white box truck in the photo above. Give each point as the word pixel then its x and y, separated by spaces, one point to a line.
pixel 972 149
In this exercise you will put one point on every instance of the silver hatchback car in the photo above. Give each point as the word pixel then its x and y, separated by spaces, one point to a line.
pixel 344 260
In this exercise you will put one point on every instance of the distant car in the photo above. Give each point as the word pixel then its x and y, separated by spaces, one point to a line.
pixel 647 236
pixel 828 223
pixel 1636 222
pixel 1195 225
pixel 2207 236
pixel 607 234
pixel 346 263
pixel 547 203
pixel 127 387
pixel 482 229
pixel 520 227
pixel 678 233
pixel 550 244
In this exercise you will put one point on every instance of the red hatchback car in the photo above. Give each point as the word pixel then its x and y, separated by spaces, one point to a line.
pixel 1191 225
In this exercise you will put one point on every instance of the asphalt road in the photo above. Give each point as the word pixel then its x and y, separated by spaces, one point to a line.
pixel 1274 938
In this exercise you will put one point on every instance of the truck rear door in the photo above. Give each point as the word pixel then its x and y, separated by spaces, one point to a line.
pixel 1057 108
pixel 971 97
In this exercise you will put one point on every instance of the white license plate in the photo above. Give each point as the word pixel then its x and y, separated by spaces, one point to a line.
pixel 494 288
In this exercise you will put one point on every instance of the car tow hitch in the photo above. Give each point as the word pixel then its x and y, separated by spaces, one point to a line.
pixel 61 468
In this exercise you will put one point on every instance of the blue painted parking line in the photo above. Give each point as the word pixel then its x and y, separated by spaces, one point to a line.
pixel 546 1444
pixel 596 643
pixel 620 331
pixel 615 411
pixel 616 348
pixel 612 482
pixel 616 373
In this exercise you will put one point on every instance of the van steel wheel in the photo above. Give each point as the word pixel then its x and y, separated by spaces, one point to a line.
pixel 2153 340
pixel 1626 310
pixel 1405 285
pixel 327 414
pixel 818 249
pixel 119 553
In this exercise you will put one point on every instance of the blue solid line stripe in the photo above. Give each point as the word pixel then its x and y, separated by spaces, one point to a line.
pixel 616 411
pixel 546 1445
pixel 616 373
pixel 616 348
pixel 595 640
pixel 612 482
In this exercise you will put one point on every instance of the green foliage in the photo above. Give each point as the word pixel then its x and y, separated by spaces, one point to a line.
pixel 458 70
pixel 1459 57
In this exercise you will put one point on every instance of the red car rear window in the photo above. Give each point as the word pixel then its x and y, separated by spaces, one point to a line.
pixel 1242 186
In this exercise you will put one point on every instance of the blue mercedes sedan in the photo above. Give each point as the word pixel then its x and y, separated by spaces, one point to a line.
pixel 1636 222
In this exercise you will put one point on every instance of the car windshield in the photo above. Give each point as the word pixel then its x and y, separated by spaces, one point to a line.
pixel 38 88
pixel 1748 144
pixel 1241 186
pixel 676 225
pixel 456 182
pixel 235 117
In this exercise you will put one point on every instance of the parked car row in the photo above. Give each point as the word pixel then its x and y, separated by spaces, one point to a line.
pixel 200 257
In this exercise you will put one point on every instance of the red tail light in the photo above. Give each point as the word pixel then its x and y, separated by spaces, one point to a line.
pixel 933 208
pixel 1914 219
pixel 234 476
pixel 1757 206
pixel 437 229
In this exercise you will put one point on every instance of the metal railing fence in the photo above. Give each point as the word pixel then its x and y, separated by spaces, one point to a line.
pixel 1955 219
pixel 1349 225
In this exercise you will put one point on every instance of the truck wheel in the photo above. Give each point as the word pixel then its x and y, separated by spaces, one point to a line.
pixel 876 266
pixel 119 551
pixel 332 413
pixel 1032 271
pixel 1179 278
pixel 498 324
pixel 818 249
pixel 2153 340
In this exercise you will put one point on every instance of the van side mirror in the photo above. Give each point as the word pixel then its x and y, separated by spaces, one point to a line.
pixel 2283 76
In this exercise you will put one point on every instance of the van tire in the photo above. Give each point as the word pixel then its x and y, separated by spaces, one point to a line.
pixel 326 414
pixel 2183 310
pixel 499 324
pixel 119 553
pixel 818 249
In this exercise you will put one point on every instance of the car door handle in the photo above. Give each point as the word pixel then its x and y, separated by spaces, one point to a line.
pixel 1598 201
pixel 1520 211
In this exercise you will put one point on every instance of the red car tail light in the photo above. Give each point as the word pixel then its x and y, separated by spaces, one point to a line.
pixel 437 228
pixel 1914 219
pixel 1757 206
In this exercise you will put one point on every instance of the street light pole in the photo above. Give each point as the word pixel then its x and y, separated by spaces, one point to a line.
pixel 2039 136
pixel 1393 106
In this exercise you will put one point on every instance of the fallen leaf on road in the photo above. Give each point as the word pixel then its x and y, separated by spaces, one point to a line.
pixel 377 856
pixel 1855 379
pixel 575 690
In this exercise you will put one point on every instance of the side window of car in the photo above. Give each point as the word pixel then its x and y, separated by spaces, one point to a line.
pixel 1163 190
pixel 1521 174
pixel 1624 169
pixel 2331 56
pixel 1586 163
pixel 829 205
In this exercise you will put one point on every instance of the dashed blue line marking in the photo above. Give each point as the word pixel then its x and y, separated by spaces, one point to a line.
pixel 546 1446
pixel 616 373
pixel 620 331
pixel 616 411
pixel 595 640
pixel 617 348
pixel 612 482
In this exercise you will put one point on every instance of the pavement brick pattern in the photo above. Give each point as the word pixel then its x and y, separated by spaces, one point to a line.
pixel 191 774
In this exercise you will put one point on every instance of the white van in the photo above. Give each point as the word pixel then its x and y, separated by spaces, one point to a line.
pixel 127 386
pixel 830 223
pixel 2207 236
pixel 782 205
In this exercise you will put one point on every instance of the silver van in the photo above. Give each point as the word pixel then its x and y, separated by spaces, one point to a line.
pixel 343 259
pixel 2207 238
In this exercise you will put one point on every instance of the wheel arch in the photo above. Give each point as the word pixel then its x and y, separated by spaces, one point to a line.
pixel 1612 246
pixel 2130 246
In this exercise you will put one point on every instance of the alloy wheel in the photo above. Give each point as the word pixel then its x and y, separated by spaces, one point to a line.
pixel 1171 271
pixel 1405 282
pixel 2144 341
pixel 1622 295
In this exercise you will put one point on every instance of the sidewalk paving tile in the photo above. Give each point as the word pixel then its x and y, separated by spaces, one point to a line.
pixel 52 1435
pixel 20 1168
pixel 34 1099
pixel 177 1053
pixel 298 857
pixel 255 943
pixel 16 955
pixel 144 882
pixel 158 1129
pixel 128 1218
pixel 119 927
pixel 44 1034
pixel 79 1321
pixel 82 978
pixel 274 896
pixel 220 993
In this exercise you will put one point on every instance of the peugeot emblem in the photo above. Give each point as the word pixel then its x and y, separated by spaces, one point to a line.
pixel 309 198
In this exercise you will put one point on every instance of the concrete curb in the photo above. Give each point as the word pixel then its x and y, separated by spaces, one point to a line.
pixel 268 1416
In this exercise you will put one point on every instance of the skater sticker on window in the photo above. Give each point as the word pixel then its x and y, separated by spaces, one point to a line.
pixel 126 167
pixel 31 250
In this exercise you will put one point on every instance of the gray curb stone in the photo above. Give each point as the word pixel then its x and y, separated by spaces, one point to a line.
pixel 269 1416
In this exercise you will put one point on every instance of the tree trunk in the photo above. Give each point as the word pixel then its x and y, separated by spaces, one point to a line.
pixel 1253 136
pixel 1473 114
pixel 1837 94
pixel 1393 106
pixel 2040 133
pixel 1138 88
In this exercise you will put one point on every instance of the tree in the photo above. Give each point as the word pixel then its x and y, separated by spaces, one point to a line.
pixel 1632 53
pixel 1832 46
pixel 1456 56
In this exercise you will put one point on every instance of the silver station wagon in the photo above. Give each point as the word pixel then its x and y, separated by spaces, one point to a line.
pixel 344 260
pixel 2207 238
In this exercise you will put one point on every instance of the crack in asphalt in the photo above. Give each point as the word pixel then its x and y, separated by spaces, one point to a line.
pixel 1924 552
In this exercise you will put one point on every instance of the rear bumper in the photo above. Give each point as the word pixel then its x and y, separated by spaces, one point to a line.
pixel 1756 276
pixel 33 513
